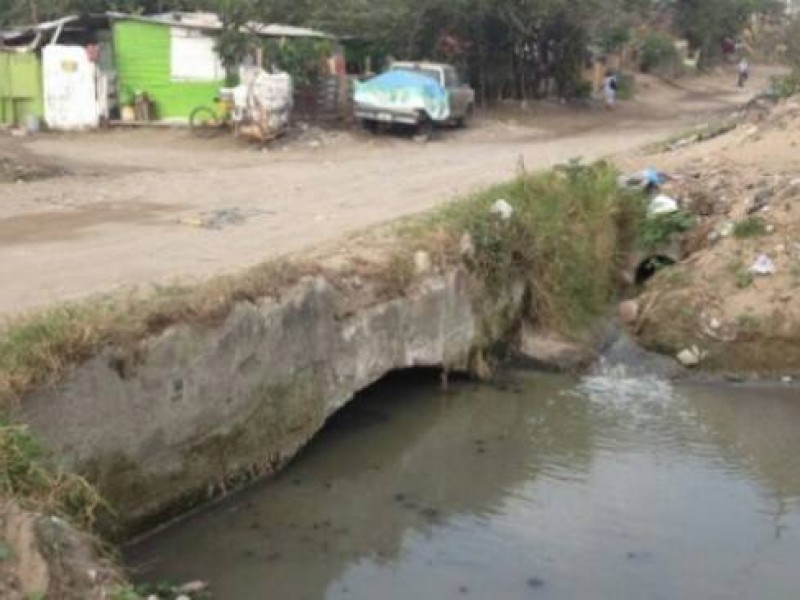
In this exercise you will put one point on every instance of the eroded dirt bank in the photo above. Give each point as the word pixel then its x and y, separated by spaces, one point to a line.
pixel 730 304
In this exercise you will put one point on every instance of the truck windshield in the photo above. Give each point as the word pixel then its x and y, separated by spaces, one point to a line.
pixel 432 73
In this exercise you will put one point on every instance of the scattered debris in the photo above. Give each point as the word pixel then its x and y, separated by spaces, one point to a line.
pixel 763 265
pixel 502 209
pixel 548 350
pixel 193 587
pixel 726 229
pixel 466 246
pixel 760 201
pixel 648 179
pixel 662 205
pixel 691 357
pixel 422 262
pixel 220 219
pixel 738 284
pixel 629 312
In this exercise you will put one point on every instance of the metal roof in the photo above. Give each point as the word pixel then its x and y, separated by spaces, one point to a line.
pixel 190 20
pixel 30 37
pixel 212 22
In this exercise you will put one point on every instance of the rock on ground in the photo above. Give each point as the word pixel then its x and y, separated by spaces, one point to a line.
pixel 549 350
pixel 629 312
pixel 44 557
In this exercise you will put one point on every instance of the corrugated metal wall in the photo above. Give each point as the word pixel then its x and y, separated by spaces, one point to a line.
pixel 142 52
pixel 20 87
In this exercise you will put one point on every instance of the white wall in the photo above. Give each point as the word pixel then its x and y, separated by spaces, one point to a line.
pixel 192 56
pixel 70 88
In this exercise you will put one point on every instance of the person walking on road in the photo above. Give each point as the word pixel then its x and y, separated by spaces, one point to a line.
pixel 744 72
pixel 610 90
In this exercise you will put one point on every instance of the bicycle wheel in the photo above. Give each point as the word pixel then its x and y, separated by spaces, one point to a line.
pixel 204 122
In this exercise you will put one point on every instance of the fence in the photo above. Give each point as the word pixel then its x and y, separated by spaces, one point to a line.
pixel 328 100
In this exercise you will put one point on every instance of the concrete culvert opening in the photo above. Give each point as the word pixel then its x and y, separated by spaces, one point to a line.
pixel 650 266
pixel 368 407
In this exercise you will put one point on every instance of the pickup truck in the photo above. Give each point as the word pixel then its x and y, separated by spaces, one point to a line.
pixel 416 94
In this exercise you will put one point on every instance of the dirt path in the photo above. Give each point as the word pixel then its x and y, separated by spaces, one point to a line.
pixel 150 206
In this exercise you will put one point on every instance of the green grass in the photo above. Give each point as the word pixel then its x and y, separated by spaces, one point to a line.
pixel 626 86
pixel 570 229
pixel 744 279
pixel 749 228
pixel 794 273
pixel 659 230
pixel 785 86
pixel 749 322
pixel 38 348
pixel 31 477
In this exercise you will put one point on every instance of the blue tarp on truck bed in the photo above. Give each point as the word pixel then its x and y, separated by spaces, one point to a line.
pixel 404 91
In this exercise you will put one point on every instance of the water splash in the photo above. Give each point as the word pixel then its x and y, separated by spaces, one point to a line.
pixel 619 385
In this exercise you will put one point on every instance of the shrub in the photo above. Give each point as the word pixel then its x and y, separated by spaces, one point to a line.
pixel 785 86
pixel 626 86
pixel 28 475
pixel 658 52
pixel 569 230
pixel 744 279
pixel 660 229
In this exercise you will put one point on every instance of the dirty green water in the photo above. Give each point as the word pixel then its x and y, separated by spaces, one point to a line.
pixel 542 486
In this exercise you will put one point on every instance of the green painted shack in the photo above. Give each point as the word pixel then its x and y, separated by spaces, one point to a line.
pixel 20 87
pixel 175 66
pixel 172 58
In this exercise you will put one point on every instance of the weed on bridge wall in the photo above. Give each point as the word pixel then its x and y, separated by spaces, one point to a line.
pixel 32 478
pixel 568 236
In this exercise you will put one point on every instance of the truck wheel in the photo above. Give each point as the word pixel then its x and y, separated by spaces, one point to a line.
pixel 370 126
pixel 424 130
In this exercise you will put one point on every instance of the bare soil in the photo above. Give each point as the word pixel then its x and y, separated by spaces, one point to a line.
pixel 124 208
pixel 745 322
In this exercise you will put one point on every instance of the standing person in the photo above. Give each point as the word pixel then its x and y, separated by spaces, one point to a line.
pixel 610 90
pixel 744 72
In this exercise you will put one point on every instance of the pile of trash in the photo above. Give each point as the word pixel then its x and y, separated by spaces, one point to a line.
pixel 263 103
pixel 310 136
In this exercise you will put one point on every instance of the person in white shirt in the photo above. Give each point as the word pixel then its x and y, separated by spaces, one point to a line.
pixel 610 90
pixel 744 72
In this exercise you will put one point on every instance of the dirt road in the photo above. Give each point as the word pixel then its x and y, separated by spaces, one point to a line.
pixel 138 207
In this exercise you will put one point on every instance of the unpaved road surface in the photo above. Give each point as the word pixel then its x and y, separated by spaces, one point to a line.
pixel 140 207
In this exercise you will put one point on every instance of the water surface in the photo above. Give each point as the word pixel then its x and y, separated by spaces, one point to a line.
pixel 542 486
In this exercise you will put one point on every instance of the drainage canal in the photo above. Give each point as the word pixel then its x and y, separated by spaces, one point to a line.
pixel 545 486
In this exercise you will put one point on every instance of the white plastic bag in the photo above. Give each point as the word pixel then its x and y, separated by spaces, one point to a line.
pixel 502 209
pixel 662 205
pixel 763 266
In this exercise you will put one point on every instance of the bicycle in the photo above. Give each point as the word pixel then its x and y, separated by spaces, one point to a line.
pixel 251 121
pixel 206 122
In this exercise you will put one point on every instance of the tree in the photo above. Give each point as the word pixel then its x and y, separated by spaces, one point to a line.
pixel 705 23
pixel 507 48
